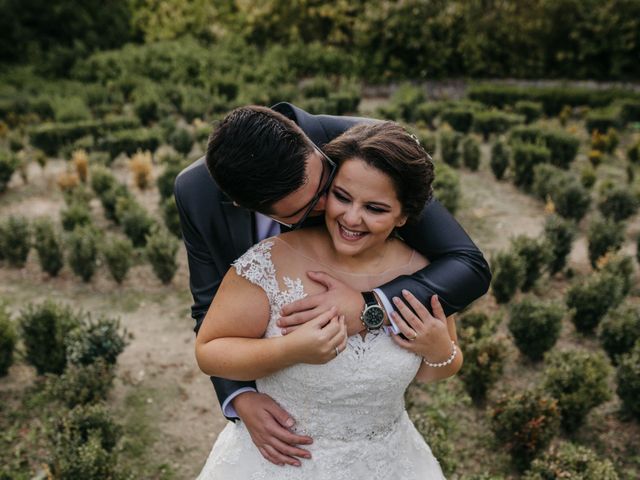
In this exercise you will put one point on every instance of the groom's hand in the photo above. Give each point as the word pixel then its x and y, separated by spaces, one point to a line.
pixel 349 302
pixel 269 425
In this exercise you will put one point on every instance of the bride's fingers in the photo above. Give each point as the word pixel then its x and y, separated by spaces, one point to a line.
pixel 438 311
pixel 404 328
pixel 418 307
pixel 410 318
pixel 401 342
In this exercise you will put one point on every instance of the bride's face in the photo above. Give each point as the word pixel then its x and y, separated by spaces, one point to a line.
pixel 362 208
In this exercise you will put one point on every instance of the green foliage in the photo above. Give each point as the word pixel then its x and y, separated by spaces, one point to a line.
pixel 101 179
pixel 601 120
pixel 604 235
pixel 619 331
pixel 148 104
pixel 80 384
pixel 96 340
pixel 161 252
pixel 427 112
pixel 618 203
pixel 633 153
pixel 559 234
pixel 499 159
pixel 509 272
pixel 571 198
pixel 83 252
pixel 135 220
pixel 525 157
pixel 49 245
pixel 8 164
pixel 44 329
pixel 460 118
pixel 621 267
pixel 628 380
pixel 109 199
pixel 171 216
pixel 8 339
pixel 118 256
pixel 405 101
pixel 571 462
pixel 525 423
pixel 563 147
pixel 15 240
pixel 428 141
pixel 167 178
pixel 578 381
pixel 629 110
pixel 588 176
pixel 535 255
pixel 495 122
pixel 449 147
pixel 531 111
pixel 471 153
pixel 77 214
pixel 70 109
pixel 535 326
pixel 446 187
pixel 592 297
pixel 182 140
pixel 130 141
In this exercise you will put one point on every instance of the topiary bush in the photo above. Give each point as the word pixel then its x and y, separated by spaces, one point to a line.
pixel 604 235
pixel 167 178
pixel 428 141
pixel 77 214
pixel 449 147
pixel 619 331
pixel 629 110
pixel 130 141
pixel 588 177
pixel 499 159
pixel 44 329
pixel 9 162
pixel 446 187
pixel 101 180
pixel 494 122
pixel 601 120
pixel 135 220
pixel 547 180
pixel 49 245
pixel 633 153
pixel 96 340
pixel 83 252
pixel 535 326
pixel 471 153
pixel 161 252
pixel 427 112
pixel 109 200
pixel 15 240
pixel 8 339
pixel 508 275
pixel 525 423
pixel 171 216
pixel 525 157
pixel 618 203
pixel 577 379
pixel 535 255
pixel 591 298
pixel 628 380
pixel 571 199
pixel 80 384
pixel 562 146
pixel 621 267
pixel 531 111
pixel 118 253
pixel 559 235
pixel 484 360
pixel 182 140
pixel 571 462
pixel 460 118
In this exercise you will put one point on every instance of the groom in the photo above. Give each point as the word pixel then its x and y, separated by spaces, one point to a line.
pixel 262 174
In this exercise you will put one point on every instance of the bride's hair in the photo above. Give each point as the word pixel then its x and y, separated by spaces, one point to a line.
pixel 389 148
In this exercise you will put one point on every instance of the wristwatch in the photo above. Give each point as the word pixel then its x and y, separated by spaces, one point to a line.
pixel 373 315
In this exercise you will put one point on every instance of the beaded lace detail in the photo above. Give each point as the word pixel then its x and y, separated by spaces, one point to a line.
pixel 352 406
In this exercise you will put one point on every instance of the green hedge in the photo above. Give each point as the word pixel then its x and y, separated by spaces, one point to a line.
pixel 563 147
pixel 130 141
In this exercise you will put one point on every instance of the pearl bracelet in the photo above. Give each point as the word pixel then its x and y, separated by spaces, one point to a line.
pixel 448 361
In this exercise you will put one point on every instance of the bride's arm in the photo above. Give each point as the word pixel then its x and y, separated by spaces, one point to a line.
pixel 431 374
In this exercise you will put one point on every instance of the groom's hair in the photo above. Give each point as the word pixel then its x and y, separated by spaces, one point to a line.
pixel 258 156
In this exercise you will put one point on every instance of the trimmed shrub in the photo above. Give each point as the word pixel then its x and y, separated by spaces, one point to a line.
pixel 118 255
pixel 96 340
pixel 15 240
pixel 109 200
pixel 619 266
pixel 595 157
pixel 130 141
pixel 427 112
pixel 563 147
pixel 525 157
pixel 499 159
pixel 161 252
pixel 531 111
pixel 428 141
pixel 449 147
pixel 405 100
pixel 70 109
pixel 44 329
pixel 588 177
pixel 547 180
pixel 171 216
pixel 559 234
pixel 483 364
pixel 77 214
pixel 591 298
pixel 619 331
pixel 578 381
pixel 8 339
pixel 141 167
pixel 135 220
pixel 495 122
pixel 508 275
pixel 49 245
pixel 571 199
pixel 167 178
pixel 601 120
pixel 535 255
pixel 633 153
pixel 471 153
pixel 525 423
pixel 83 252
pixel 571 462
pixel 628 380
pixel 9 162
pixel 182 140
pixel 629 111
pixel 535 326
pixel 446 187
pixel 460 118
pixel 101 180
pixel 80 384
pixel 604 235
pixel 618 203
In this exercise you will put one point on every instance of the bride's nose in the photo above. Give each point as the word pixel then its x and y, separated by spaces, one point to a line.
pixel 351 216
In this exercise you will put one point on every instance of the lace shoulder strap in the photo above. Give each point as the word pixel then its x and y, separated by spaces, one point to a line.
pixel 256 266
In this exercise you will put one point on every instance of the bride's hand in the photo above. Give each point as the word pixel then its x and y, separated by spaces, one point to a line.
pixel 427 335
pixel 316 341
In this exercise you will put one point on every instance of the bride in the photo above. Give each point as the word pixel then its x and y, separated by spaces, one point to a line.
pixel 347 393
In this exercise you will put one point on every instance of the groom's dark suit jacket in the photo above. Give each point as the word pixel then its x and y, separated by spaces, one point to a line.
pixel 216 232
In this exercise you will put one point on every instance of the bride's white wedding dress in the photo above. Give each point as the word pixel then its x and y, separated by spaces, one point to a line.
pixel 352 407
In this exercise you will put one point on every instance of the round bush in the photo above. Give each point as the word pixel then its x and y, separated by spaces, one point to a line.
pixel 15 240
pixel 499 159
pixel 471 153
pixel 446 187
pixel 525 157
pixel 80 384
pixel 621 267
pixel 604 236
pixel 96 340
pixel 618 203
pixel 559 234
pixel 449 147
pixel 8 339
pixel 547 180
pixel 571 462
pixel 77 214
pixel 620 330
pixel 109 200
pixel 101 180
pixel 118 256
pixel 483 364
pixel 535 255
pixel 167 178
pixel 578 381
pixel 488 122
pixel 428 141
pixel 459 118
pixel 535 326
pixel 135 220
pixel 628 380
pixel 571 199
pixel 508 275
pixel 161 252
pixel 182 140
pixel 531 111
pixel 49 245
pixel 44 329
pixel 591 298
pixel 83 252
pixel 171 216
pixel 525 423
pixel 588 177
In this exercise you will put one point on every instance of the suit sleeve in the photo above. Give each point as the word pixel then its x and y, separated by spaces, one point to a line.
pixel 457 273
pixel 204 280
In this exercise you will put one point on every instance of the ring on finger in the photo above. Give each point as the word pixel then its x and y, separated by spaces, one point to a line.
pixel 415 335
pixel 337 351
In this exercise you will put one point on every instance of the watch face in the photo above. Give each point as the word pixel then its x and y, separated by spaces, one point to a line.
pixel 374 316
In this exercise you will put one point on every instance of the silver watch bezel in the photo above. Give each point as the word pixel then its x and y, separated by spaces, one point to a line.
pixel 363 317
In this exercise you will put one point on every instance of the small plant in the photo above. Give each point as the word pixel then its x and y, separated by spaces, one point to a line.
pixel 604 236
pixel 15 240
pixel 525 423
pixel 571 199
pixel 77 214
pixel 571 462
pixel 49 245
pixel 508 275
pixel 460 118
pixel 80 161
pixel 161 251
pixel 449 147
pixel 96 340
pixel 591 298
pixel 619 331
pixel 135 220
pixel 578 381
pixel 83 252
pixel 535 255
pixel 109 200
pixel 483 364
pixel 171 216
pixel 595 157
pixel 588 177
pixel 182 140
pixel 618 203
pixel 499 159
pixel 619 266
pixel 471 153
pixel 8 339
pixel 428 141
pixel 628 380
pixel 535 326
pixel 446 187
pixel 141 167
pixel 80 384
pixel 118 255
pixel 525 157
pixel 101 179
pixel 68 181
pixel 167 178
pixel 44 329
pixel 8 164
pixel 559 235
pixel 531 111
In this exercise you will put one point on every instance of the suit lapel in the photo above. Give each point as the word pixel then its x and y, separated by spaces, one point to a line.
pixel 240 227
